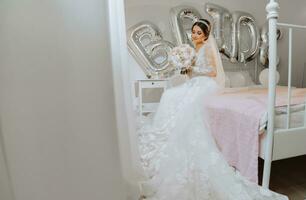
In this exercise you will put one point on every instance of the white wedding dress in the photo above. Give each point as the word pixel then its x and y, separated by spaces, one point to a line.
pixel 178 153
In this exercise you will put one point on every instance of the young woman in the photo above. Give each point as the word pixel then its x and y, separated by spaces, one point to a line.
pixel 179 155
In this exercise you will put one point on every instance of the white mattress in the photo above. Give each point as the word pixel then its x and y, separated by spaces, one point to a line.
pixel 296 118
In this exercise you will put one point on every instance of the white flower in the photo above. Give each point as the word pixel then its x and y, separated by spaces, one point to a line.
pixel 182 56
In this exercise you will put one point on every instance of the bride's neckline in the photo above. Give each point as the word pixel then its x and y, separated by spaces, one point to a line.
pixel 199 49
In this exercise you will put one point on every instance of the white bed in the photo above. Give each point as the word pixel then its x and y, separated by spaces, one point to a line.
pixel 282 130
pixel 278 143
pixel 242 133
pixel 296 120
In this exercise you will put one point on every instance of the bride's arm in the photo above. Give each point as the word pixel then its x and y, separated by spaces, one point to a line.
pixel 207 66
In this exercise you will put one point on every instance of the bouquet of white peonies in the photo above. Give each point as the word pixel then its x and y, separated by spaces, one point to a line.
pixel 182 57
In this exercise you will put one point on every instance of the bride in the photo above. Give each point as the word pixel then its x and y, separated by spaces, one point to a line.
pixel 178 153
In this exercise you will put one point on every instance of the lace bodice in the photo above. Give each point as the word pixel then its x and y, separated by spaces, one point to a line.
pixel 205 62
pixel 209 60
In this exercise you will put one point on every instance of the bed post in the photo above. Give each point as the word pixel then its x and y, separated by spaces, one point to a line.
pixel 272 9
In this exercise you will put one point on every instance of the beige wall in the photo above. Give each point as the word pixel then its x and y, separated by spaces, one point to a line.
pixel 6 192
pixel 291 12
pixel 57 104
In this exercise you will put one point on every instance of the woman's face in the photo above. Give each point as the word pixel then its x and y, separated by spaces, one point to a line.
pixel 197 35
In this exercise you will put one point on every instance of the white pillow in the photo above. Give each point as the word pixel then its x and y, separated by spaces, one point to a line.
pixel 264 77
pixel 227 81
pixel 238 79
pixel 249 80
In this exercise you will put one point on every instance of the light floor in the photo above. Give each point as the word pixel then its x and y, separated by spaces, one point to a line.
pixel 288 177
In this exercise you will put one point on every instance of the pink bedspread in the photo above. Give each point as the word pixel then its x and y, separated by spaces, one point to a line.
pixel 234 119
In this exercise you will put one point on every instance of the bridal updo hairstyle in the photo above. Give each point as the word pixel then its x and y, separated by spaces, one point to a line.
pixel 204 25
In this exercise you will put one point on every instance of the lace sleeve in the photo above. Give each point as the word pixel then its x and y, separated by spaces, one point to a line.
pixel 198 70
pixel 205 63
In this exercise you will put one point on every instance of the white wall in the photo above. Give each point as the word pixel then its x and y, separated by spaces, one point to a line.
pixel 6 190
pixel 157 11
pixel 57 104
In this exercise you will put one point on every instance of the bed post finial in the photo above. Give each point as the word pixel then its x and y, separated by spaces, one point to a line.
pixel 273 10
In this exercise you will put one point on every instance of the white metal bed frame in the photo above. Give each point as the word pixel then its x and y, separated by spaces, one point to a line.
pixel 281 143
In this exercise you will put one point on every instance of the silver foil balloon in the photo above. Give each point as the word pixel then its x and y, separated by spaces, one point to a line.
pixel 147 46
pixel 182 18
pixel 222 21
pixel 245 36
pixel 264 46
pixel 236 33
